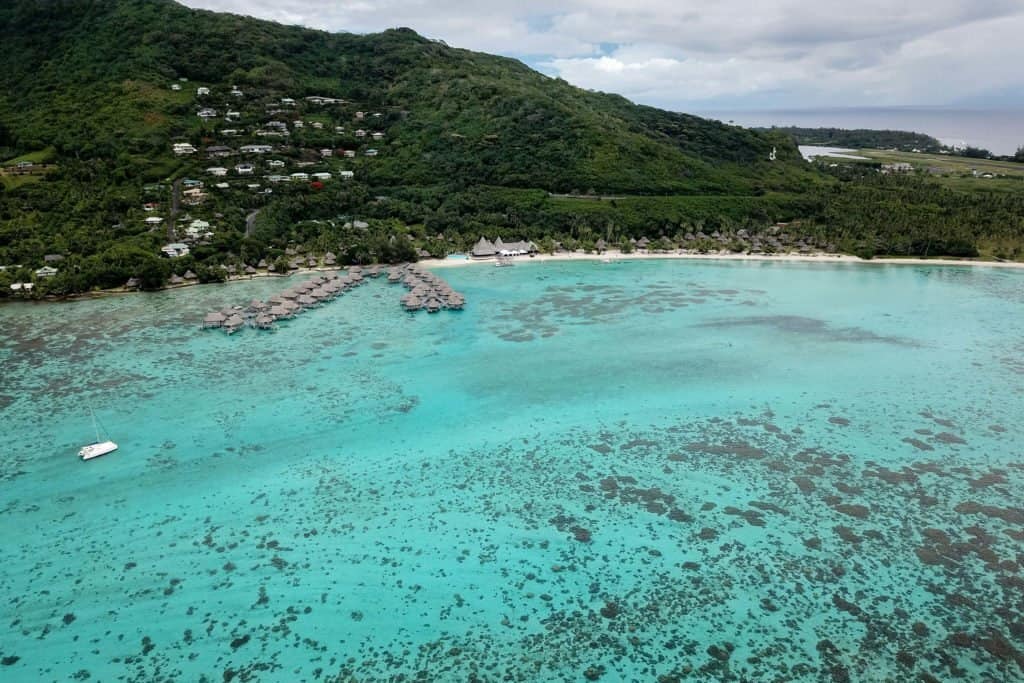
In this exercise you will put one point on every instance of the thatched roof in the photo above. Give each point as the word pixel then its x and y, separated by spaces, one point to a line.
pixel 485 247
pixel 215 317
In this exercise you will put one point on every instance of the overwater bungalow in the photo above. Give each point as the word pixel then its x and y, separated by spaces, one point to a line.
pixel 214 319
pixel 280 311
pixel 306 301
pixel 265 321
pixel 233 324
pixel 434 305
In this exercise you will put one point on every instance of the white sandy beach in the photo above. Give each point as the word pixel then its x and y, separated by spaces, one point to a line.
pixel 613 255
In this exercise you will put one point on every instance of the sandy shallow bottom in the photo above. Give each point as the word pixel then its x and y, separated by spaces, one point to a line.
pixel 693 470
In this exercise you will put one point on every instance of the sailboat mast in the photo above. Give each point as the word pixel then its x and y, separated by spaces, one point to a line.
pixel 94 426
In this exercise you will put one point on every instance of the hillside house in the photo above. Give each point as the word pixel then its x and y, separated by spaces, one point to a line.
pixel 236 92
pixel 377 136
pixel 298 124
pixel 230 132
pixel 53 258
pixel 190 183
pixel 370 152
pixel 360 133
pixel 275 163
pixel 278 178
pixel 218 152
pixel 275 125
pixel 339 129
pixel 317 99
pixel 202 92
pixel 182 148
pixel 350 153
pixel 175 87
pixel 346 175
pixel 217 171
pixel 317 125
pixel 360 115
pixel 194 196
pixel 232 116
pixel 46 271
pixel 287 102
pixel 322 176
pixel 154 221
pixel 207 114
pixel 175 250
pixel 326 153
pixel 300 177
pixel 245 169
pixel 150 206
pixel 256 149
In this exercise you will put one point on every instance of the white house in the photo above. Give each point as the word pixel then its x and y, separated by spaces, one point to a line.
pixel 275 163
pixel 346 175
pixel 222 186
pixel 217 171
pixel 360 133
pixel 202 91
pixel 231 132
pixel 256 149
pixel 360 115
pixel 182 148
pixel 300 176
pixel 175 87
pixel 235 91
pixel 154 220
pixel 339 129
pixel 244 169
pixel 298 124
pixel 325 153
pixel 378 136
pixel 278 178
pixel 207 113
pixel 175 250
pixel 232 116
pixel 318 126
pixel 350 153
pixel 46 271
pixel 287 102
pixel 322 176
pixel 370 152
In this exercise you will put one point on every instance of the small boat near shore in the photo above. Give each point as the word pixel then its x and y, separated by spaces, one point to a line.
pixel 97 448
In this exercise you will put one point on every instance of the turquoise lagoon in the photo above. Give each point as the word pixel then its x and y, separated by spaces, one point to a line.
pixel 640 471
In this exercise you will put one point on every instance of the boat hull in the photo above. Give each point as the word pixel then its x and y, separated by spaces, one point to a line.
pixel 95 450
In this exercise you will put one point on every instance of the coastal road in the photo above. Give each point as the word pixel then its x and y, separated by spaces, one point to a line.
pixel 175 205
pixel 250 223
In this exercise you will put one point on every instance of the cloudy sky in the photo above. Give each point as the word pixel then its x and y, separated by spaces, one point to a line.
pixel 719 54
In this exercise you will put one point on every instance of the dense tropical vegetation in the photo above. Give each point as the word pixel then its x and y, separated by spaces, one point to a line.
pixel 94 95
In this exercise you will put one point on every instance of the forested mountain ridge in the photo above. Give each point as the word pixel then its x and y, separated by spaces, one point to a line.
pixel 90 78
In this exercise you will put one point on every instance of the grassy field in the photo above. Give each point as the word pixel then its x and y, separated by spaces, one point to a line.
pixel 946 162
pixel 40 157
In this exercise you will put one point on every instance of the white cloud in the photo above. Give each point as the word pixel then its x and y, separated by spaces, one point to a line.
pixel 685 52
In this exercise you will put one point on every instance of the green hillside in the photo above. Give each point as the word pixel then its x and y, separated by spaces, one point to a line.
pixel 442 145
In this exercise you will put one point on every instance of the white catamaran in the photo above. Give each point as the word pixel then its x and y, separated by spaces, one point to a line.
pixel 97 448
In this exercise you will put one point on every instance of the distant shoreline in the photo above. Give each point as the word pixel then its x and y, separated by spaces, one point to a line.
pixel 614 255
pixel 610 255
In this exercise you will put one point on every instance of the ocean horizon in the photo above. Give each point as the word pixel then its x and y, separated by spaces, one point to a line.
pixel 1001 131
pixel 596 471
